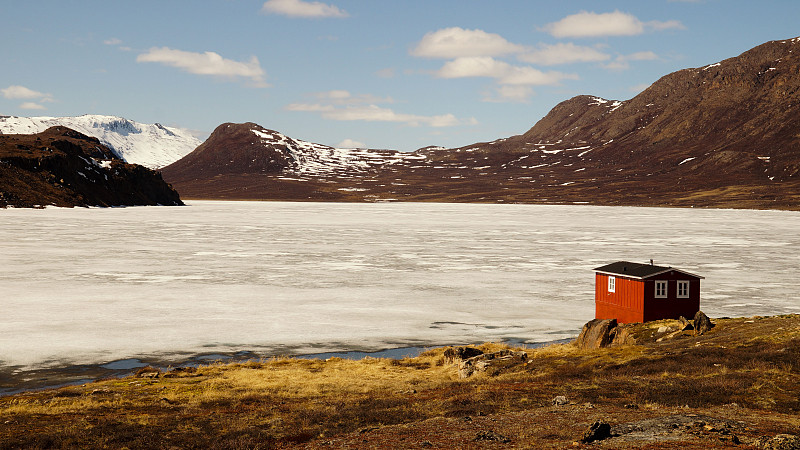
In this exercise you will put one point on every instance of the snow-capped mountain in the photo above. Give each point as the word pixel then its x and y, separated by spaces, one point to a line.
pixel 151 145
pixel 321 160
pixel 63 167
pixel 722 135
pixel 249 148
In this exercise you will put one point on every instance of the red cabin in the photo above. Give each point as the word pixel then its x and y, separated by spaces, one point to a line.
pixel 633 292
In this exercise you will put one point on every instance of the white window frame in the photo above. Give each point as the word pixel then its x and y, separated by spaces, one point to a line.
pixel 661 289
pixel 612 284
pixel 683 289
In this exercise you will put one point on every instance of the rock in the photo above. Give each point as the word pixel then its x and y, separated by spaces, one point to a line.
pixel 180 372
pixel 779 442
pixel 454 355
pixel 623 335
pixel 702 323
pixel 148 372
pixel 491 436
pixel 481 362
pixel 685 324
pixel 597 432
pixel 597 333
pixel 560 400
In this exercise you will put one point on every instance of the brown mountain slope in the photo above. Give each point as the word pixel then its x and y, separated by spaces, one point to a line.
pixel 62 167
pixel 724 135
pixel 742 111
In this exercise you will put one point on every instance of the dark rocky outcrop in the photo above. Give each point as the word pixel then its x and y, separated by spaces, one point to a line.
pixel 597 333
pixel 491 436
pixel 457 354
pixel 471 360
pixel 597 432
pixel 62 167
pixel 702 324
pixel 779 442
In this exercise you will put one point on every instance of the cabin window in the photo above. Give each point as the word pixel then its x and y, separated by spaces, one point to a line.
pixel 661 289
pixel 683 289
pixel 612 284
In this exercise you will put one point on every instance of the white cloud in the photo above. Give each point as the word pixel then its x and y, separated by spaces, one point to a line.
pixel 343 97
pixel 501 71
pixel 477 66
pixel 302 9
pixel 457 42
pixel 31 105
pixel 531 76
pixel 642 56
pixel 622 62
pixel 509 94
pixel 21 92
pixel 374 113
pixel 207 63
pixel 112 41
pixel 309 107
pixel 342 105
pixel 388 72
pixel 349 143
pixel 590 24
pixel 475 53
pixel 17 92
pixel 563 53
pixel 667 25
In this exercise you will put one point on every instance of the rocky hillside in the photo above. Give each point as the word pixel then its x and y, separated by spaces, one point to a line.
pixel 151 145
pixel 249 161
pixel 723 135
pixel 62 167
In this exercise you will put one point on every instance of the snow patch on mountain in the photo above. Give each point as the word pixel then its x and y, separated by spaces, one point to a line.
pixel 151 145
pixel 317 159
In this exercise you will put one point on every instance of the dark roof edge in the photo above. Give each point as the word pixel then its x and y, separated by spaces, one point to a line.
pixel 668 269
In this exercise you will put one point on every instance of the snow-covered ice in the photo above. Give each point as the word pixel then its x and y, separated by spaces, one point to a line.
pixel 99 285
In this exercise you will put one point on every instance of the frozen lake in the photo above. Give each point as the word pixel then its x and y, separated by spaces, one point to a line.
pixel 91 286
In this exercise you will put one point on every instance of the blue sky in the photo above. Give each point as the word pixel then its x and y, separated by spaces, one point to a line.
pixel 383 74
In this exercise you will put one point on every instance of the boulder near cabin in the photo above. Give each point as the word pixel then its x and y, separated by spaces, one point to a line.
pixel 634 292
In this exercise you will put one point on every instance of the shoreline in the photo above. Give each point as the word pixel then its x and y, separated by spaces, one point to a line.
pixel 21 381
pixel 729 386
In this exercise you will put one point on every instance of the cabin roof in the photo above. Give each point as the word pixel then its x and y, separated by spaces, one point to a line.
pixel 638 270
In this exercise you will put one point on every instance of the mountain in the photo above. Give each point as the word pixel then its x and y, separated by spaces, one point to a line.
pixel 723 135
pixel 152 146
pixel 245 160
pixel 63 167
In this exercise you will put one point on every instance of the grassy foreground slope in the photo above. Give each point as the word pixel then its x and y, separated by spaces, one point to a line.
pixel 736 386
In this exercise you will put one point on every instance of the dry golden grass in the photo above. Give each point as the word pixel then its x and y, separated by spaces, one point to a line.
pixel 754 363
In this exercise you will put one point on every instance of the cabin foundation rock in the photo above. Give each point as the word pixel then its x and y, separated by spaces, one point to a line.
pixel 602 333
pixel 597 333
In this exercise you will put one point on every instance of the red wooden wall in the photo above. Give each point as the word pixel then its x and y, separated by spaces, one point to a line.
pixel 626 303
pixel 634 300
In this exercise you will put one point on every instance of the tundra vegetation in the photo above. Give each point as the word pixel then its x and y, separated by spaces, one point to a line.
pixel 735 385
